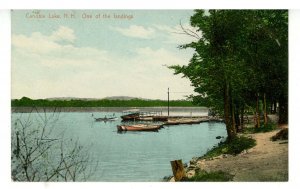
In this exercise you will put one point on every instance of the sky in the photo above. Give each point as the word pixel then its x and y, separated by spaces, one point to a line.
pixel 99 53
pixel 22 26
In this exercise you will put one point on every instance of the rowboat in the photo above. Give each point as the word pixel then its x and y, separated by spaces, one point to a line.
pixel 137 115
pixel 106 119
pixel 130 117
pixel 139 127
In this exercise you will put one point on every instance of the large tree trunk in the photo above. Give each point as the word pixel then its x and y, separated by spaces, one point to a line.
pixel 283 110
pixel 265 111
pixel 275 107
pixel 237 119
pixel 233 123
pixel 242 118
pixel 230 132
pixel 257 124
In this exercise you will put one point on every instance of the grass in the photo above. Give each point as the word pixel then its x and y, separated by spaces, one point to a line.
pixel 215 176
pixel 233 147
pixel 262 129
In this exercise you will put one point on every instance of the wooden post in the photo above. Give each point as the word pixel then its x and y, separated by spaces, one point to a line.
pixel 178 170
pixel 265 111
pixel 168 102
pixel 18 145
pixel 257 114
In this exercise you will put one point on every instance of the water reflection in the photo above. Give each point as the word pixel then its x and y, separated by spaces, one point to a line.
pixel 135 156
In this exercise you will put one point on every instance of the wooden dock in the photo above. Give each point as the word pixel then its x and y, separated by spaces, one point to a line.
pixel 137 115
pixel 191 120
pixel 178 120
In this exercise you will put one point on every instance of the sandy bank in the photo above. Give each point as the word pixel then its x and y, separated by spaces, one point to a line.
pixel 267 161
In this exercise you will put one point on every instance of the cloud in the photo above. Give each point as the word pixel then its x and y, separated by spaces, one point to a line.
pixel 63 34
pixel 52 52
pixel 36 43
pixel 42 44
pixel 150 69
pixel 159 56
pixel 42 66
pixel 136 31
pixel 176 35
pixel 55 66
pixel 165 33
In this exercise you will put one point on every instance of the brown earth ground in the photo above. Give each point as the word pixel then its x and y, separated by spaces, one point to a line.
pixel 267 161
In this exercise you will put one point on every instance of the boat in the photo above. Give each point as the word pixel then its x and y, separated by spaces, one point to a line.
pixel 148 118
pixel 130 117
pixel 137 115
pixel 139 127
pixel 106 119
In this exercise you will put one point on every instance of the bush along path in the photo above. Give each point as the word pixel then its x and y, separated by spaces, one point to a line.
pixel 266 161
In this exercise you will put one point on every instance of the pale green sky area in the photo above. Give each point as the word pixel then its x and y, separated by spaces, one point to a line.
pixel 97 57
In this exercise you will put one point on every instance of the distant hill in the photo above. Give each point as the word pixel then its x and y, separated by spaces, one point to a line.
pixel 123 98
pixel 70 98
pixel 92 99
pixel 116 101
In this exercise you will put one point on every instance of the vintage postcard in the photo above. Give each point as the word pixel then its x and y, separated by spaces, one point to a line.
pixel 149 95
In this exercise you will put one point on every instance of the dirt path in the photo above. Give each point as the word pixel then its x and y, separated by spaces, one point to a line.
pixel 267 161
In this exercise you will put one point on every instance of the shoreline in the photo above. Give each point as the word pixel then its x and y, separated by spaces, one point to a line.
pixel 175 109
pixel 267 161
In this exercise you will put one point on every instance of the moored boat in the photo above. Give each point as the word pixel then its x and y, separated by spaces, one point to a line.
pixel 139 127
pixel 137 115
pixel 130 117
pixel 106 119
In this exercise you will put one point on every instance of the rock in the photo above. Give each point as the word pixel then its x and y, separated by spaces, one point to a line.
pixel 167 178
pixel 281 135
pixel 193 161
pixel 191 173
pixel 244 152
pixel 226 155
pixel 185 165
pixel 172 179
pixel 200 165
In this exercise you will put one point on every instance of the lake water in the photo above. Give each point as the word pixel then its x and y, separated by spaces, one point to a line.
pixel 135 156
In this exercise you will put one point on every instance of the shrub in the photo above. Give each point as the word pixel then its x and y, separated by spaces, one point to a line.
pixel 238 144
pixel 235 146
pixel 262 129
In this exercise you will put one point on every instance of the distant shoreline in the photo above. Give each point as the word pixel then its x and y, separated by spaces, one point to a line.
pixel 106 109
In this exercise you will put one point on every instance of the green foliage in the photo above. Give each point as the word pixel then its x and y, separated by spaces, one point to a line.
pixel 27 102
pixel 213 176
pixel 241 57
pixel 233 147
pixel 262 129
pixel 238 144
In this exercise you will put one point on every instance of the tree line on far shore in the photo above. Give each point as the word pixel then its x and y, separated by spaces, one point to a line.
pixel 27 102
pixel 240 64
